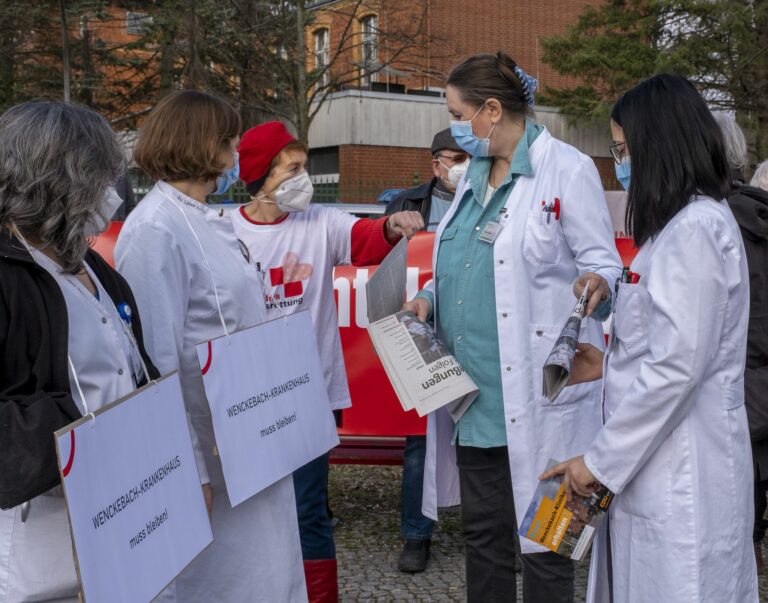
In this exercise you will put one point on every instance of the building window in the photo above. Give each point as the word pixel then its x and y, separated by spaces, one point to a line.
pixel 369 45
pixel 322 55
pixel 137 23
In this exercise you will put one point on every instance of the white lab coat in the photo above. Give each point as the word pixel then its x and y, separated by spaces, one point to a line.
pixel 256 552
pixel 535 265
pixel 675 446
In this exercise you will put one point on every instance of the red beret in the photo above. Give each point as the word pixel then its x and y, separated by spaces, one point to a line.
pixel 259 146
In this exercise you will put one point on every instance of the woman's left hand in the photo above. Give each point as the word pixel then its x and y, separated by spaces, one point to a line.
pixel 576 477
pixel 598 290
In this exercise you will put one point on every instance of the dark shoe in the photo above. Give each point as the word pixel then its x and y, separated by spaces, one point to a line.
pixel 413 559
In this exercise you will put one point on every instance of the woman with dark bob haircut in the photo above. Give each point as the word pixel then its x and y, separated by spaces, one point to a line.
pixel 529 224
pixel 194 283
pixel 64 350
pixel 674 446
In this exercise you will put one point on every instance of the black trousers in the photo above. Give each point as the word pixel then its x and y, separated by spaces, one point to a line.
pixel 489 527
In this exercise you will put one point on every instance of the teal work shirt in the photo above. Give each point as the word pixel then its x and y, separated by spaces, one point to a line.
pixel 467 301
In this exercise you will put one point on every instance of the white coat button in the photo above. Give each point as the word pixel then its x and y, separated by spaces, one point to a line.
pixel 504 315
pixel 512 420
pixel 103 320
pixel 509 368
pixel 458 338
pixel 477 228
pixel 501 261
pixel 119 371
pixel 467 265
pixel 461 301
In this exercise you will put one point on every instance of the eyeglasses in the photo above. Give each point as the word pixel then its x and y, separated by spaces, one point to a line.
pixel 617 150
pixel 454 158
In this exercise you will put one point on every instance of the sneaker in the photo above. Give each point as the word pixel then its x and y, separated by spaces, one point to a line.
pixel 413 559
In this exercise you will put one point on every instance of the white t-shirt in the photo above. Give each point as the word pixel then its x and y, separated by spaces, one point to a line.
pixel 297 256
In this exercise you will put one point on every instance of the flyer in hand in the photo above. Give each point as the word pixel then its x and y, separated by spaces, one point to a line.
pixel 565 527
pixel 423 372
pixel 557 368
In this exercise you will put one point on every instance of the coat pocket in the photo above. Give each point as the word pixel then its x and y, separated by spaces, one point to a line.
pixel 541 243
pixel 630 318
pixel 649 494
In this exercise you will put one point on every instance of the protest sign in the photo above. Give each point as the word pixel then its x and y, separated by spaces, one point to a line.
pixel 133 494
pixel 269 402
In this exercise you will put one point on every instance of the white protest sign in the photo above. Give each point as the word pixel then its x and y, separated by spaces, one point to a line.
pixel 269 402
pixel 135 504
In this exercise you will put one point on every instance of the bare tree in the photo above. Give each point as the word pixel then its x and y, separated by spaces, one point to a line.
pixel 294 86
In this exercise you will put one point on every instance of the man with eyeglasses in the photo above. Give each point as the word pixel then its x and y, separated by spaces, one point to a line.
pixel 432 200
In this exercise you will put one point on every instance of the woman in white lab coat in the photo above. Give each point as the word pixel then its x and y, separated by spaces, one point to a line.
pixel 193 281
pixel 64 347
pixel 675 444
pixel 527 221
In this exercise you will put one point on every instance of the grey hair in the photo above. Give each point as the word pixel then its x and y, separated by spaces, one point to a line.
pixel 56 162
pixel 734 141
pixel 760 177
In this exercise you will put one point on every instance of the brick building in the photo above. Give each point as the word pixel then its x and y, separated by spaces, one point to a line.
pixel 373 133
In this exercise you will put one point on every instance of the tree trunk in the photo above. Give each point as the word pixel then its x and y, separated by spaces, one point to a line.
pixel 302 106
pixel 65 51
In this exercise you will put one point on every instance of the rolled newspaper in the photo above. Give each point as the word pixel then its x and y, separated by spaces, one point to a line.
pixel 557 368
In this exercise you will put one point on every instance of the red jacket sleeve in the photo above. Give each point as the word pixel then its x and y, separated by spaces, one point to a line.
pixel 369 243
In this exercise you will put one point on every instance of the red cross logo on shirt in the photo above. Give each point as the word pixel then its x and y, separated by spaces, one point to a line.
pixel 290 288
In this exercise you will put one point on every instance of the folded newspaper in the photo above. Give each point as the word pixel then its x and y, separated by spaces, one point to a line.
pixel 423 372
pixel 565 527
pixel 557 368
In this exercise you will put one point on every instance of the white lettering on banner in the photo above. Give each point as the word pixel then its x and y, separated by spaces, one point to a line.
pixel 361 299
pixel 133 495
pixel 342 287
pixel 343 303
pixel 266 390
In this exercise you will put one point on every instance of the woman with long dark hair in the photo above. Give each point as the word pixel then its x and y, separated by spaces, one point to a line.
pixel 674 446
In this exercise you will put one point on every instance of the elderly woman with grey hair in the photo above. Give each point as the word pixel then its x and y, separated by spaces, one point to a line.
pixel 64 349
pixel 749 204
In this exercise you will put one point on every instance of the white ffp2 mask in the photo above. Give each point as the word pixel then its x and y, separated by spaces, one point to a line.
pixel 295 194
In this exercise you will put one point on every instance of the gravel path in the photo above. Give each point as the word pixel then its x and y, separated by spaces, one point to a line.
pixel 367 501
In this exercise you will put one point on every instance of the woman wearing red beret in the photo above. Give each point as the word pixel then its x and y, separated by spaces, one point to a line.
pixel 296 245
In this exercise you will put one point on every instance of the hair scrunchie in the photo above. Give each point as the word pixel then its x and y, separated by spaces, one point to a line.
pixel 529 84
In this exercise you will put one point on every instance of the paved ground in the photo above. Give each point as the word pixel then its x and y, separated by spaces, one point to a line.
pixel 367 501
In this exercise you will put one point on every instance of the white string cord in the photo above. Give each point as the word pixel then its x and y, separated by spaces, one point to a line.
pixel 80 391
pixel 207 264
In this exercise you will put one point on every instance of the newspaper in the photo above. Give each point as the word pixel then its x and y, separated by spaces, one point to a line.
pixel 565 527
pixel 557 368
pixel 423 372
pixel 385 290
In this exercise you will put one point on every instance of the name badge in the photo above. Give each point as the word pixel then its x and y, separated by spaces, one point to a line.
pixel 490 232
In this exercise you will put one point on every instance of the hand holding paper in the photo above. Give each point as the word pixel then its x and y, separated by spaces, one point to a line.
pixel 587 364
pixel 600 291
pixel 557 368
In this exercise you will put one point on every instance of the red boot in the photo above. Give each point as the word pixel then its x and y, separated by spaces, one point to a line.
pixel 322 583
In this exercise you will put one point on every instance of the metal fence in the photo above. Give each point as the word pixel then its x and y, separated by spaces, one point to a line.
pixel 325 192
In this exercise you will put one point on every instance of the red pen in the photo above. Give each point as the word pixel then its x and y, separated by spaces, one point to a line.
pixel 557 208
pixel 635 278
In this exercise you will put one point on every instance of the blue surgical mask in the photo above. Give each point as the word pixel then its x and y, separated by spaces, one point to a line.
pixel 623 172
pixel 464 136
pixel 229 177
